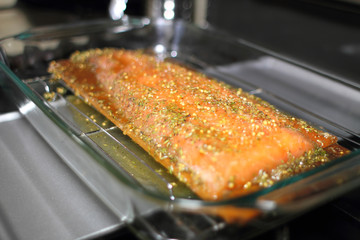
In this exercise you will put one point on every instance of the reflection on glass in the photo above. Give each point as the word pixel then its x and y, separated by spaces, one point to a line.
pixel 117 9
pixel 169 9
pixel 27 107
pixel 173 53
pixel 159 48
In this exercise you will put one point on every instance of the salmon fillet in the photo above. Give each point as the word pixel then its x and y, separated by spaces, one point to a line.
pixel 217 139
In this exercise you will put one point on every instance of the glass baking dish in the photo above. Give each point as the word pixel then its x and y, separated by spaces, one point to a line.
pixel 140 191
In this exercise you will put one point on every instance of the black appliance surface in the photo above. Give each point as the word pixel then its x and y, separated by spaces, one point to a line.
pixel 323 36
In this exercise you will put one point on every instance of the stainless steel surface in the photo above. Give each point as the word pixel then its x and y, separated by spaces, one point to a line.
pixel 41 198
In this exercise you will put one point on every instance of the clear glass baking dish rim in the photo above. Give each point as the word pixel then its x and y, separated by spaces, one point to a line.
pixel 247 201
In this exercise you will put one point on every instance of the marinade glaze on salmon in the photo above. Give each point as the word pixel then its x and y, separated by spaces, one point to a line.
pixel 215 138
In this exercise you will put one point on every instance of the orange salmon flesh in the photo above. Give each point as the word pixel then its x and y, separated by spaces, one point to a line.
pixel 215 138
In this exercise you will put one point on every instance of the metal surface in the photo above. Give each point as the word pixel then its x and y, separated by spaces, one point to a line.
pixel 40 197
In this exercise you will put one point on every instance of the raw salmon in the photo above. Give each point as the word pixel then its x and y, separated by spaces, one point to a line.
pixel 217 139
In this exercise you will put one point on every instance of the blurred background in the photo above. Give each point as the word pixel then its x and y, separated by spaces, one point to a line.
pixel 321 33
